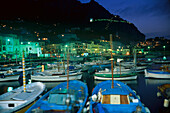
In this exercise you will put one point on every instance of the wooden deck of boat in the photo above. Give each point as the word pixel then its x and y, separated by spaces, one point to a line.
pixel 115 99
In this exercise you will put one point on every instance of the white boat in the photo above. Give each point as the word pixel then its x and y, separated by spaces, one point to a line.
pixel 139 69
pixel 120 73
pixel 99 62
pixel 55 76
pixel 17 99
pixel 9 76
pixel 157 74
pixel 127 64
pixel 117 70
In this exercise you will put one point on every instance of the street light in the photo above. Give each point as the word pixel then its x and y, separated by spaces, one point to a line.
pixel 149 48
pixel 164 57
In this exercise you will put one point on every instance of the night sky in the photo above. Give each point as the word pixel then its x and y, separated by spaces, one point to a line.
pixel 151 17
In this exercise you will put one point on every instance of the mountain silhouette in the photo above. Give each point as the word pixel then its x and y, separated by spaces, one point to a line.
pixel 71 13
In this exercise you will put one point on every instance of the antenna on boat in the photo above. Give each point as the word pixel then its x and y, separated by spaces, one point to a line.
pixel 67 68
pixel 23 67
pixel 111 46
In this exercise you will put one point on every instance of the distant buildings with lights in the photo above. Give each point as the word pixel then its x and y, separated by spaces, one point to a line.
pixel 12 47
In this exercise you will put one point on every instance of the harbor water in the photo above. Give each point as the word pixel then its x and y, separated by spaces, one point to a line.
pixel 145 88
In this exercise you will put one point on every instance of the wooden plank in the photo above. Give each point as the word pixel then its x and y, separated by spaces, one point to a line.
pixel 124 99
pixel 106 99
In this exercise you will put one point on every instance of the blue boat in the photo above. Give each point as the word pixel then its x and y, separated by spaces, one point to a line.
pixel 117 98
pixel 61 99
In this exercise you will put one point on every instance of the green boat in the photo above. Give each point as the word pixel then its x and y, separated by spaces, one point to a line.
pixel 108 76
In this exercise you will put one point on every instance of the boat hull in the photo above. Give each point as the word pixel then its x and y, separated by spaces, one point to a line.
pixel 119 78
pixel 10 77
pixel 157 74
pixel 76 76
pixel 108 76
pixel 17 99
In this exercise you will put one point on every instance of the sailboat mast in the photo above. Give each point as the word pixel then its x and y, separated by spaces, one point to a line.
pixel 67 69
pixel 64 62
pixel 111 46
pixel 134 60
pixel 23 67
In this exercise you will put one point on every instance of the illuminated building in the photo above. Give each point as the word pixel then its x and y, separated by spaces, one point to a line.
pixel 11 47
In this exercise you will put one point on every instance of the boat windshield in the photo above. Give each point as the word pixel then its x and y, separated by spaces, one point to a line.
pixel 60 96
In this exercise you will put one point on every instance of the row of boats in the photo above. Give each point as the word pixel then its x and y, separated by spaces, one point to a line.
pixel 110 96
pixel 71 97
pixel 121 71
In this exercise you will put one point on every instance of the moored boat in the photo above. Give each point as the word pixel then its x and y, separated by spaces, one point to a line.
pixel 9 76
pixel 63 99
pixel 56 76
pixel 157 74
pixel 118 73
pixel 108 76
pixel 17 99
pixel 116 98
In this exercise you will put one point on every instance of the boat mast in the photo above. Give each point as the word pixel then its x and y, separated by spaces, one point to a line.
pixel 111 46
pixel 23 67
pixel 67 68
pixel 134 60
pixel 58 58
pixel 64 63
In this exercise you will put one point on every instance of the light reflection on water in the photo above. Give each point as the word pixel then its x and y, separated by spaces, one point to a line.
pixel 145 88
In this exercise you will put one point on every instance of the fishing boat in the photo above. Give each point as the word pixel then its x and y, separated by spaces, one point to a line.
pixel 117 70
pixel 60 99
pixel 139 69
pixel 55 76
pixel 117 99
pixel 157 74
pixel 17 99
pixel 9 76
pixel 120 73
pixel 108 76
